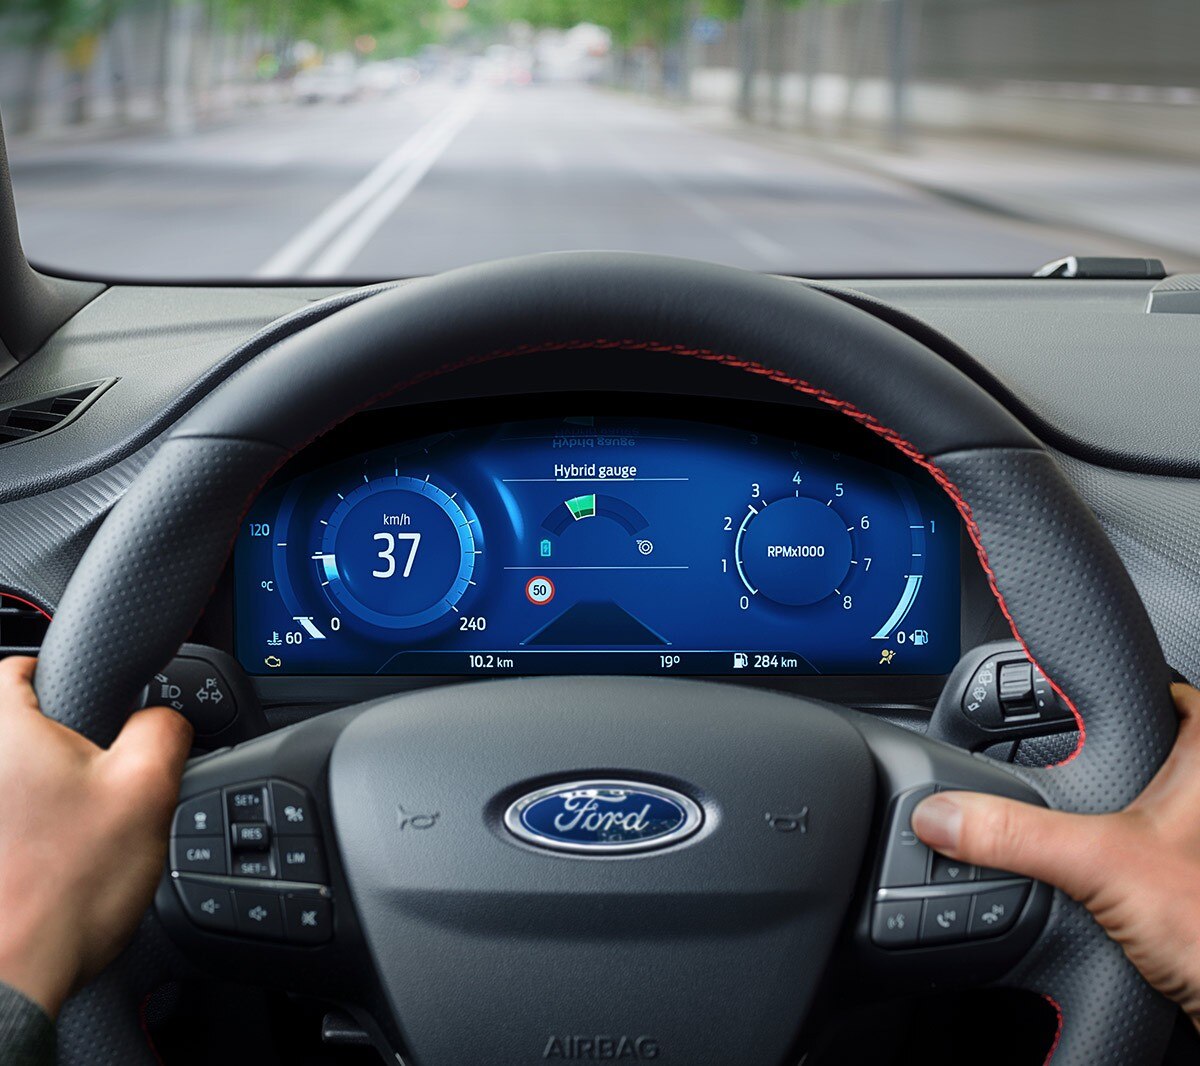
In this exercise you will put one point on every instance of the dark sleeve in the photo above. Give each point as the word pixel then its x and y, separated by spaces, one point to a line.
pixel 26 1031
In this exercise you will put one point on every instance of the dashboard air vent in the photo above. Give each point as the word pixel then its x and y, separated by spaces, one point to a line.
pixel 32 418
pixel 23 625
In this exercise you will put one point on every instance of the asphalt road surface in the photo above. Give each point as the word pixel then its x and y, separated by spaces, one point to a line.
pixel 444 175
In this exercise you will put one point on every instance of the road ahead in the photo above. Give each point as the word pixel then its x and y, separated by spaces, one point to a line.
pixel 443 175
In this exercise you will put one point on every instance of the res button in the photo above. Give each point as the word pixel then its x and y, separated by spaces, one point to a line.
pixel 251 836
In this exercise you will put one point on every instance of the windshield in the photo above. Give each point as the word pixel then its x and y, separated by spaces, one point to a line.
pixel 360 139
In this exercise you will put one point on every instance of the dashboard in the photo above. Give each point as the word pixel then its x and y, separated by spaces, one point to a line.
pixel 603 538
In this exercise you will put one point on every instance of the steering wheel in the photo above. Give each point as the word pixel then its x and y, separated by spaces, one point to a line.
pixel 458 941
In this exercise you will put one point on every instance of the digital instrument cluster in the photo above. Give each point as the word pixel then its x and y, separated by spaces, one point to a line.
pixel 601 545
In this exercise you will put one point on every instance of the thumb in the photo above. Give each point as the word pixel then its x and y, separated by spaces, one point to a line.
pixel 1065 850
pixel 150 753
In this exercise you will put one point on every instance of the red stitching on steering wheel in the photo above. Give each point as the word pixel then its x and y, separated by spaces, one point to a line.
pixel 1057 1032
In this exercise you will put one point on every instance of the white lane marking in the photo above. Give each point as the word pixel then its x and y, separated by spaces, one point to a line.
pixel 351 220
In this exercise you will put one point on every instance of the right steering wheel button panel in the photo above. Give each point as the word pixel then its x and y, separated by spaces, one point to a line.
pixel 925 899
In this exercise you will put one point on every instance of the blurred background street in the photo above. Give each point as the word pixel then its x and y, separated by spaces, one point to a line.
pixel 365 138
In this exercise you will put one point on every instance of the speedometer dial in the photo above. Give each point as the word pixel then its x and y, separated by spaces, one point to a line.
pixel 397 552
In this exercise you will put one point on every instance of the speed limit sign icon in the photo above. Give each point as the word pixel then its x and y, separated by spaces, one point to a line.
pixel 539 590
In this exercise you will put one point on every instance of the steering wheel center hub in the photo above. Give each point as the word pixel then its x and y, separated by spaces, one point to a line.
pixel 484 937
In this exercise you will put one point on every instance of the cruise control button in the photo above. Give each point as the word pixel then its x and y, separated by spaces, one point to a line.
pixel 292 809
pixel 945 919
pixel 251 836
pixel 949 871
pixel 199 817
pixel 247 803
pixel 896 924
pixel 996 911
pixel 210 906
pixel 905 858
pixel 253 864
pixel 307 919
pixel 258 913
pixel 300 859
pixel 198 855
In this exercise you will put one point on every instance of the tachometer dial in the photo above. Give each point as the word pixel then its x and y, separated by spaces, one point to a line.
pixel 398 552
pixel 850 554
pixel 795 551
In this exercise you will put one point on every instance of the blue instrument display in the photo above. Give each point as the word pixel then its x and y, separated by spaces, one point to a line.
pixel 599 545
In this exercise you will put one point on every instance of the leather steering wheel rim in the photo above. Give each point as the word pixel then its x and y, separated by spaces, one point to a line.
pixel 149 571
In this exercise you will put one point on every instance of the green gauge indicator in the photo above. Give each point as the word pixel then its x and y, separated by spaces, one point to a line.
pixel 582 506
pixel 593 505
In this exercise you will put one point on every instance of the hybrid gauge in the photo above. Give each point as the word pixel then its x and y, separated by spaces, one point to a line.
pixel 599 545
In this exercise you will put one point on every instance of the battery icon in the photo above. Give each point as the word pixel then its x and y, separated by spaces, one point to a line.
pixel 546 548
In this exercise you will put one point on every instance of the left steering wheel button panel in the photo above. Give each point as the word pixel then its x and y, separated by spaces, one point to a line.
pixel 209 906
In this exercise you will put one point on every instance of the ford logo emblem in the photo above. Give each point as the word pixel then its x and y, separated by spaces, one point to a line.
pixel 603 817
